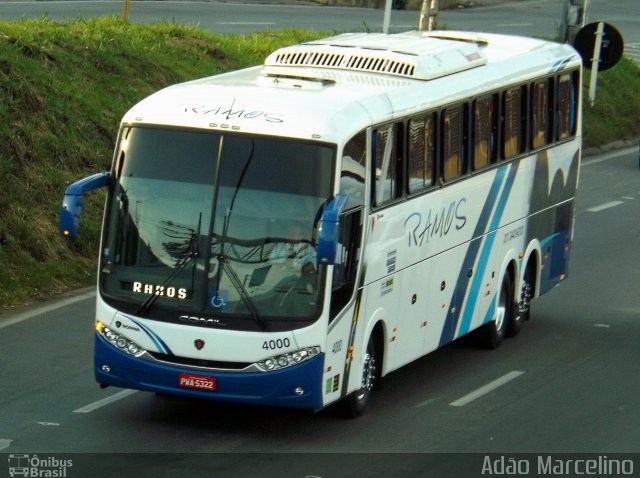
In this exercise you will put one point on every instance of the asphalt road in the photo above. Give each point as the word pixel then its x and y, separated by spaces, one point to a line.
pixel 567 384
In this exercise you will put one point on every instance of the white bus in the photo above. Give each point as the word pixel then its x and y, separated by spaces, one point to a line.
pixel 288 234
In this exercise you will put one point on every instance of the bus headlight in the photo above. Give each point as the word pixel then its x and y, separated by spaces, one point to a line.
pixel 281 361
pixel 120 342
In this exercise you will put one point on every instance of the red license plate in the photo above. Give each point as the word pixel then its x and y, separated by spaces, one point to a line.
pixel 199 382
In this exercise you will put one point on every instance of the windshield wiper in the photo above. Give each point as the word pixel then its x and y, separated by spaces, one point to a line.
pixel 223 263
pixel 193 251
pixel 246 298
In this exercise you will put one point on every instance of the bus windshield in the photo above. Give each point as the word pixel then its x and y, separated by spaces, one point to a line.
pixel 214 224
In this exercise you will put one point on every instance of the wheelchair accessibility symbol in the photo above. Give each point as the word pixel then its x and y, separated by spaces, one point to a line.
pixel 218 299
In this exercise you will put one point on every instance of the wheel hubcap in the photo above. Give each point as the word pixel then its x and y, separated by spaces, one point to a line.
pixel 525 298
pixel 500 313
pixel 501 310
pixel 368 373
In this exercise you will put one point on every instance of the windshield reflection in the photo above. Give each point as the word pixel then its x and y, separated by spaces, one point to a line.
pixel 215 224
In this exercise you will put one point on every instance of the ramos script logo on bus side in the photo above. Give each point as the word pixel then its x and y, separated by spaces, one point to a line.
pixel 435 223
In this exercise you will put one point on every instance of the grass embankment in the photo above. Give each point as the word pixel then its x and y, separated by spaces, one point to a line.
pixel 64 87
pixel 616 111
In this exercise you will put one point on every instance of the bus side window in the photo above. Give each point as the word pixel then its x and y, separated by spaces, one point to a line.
pixel 421 153
pixel 512 122
pixel 540 119
pixel 566 106
pixel 452 153
pixel 387 149
pixel 484 131
pixel 352 175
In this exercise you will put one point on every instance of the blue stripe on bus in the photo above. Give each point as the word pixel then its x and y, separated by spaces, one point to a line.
pixel 157 341
pixel 560 64
pixel 547 240
pixel 486 252
pixel 451 321
pixel 490 311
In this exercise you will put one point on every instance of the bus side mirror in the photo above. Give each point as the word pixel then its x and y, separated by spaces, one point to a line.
pixel 72 203
pixel 329 231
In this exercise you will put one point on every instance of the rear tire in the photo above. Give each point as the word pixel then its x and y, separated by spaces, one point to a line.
pixel 527 290
pixel 515 323
pixel 355 403
pixel 496 330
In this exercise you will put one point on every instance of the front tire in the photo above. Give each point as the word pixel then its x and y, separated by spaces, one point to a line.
pixel 356 402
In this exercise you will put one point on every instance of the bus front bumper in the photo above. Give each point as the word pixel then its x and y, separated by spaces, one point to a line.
pixel 298 386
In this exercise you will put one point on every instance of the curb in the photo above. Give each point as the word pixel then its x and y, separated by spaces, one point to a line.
pixel 616 145
pixel 21 313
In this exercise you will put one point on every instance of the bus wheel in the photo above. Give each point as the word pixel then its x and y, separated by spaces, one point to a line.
pixel 514 324
pixel 526 294
pixel 496 330
pixel 357 401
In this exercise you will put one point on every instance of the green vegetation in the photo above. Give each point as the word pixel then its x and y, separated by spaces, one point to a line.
pixel 64 87
pixel 617 107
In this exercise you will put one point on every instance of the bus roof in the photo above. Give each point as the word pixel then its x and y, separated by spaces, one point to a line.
pixel 328 89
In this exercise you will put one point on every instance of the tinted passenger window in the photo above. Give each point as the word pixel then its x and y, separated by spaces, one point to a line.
pixel 567 84
pixel 484 131
pixel 452 143
pixel 540 117
pixel 387 163
pixel 512 122
pixel 421 152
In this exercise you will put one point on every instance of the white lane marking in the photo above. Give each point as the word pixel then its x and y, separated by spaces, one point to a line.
pixel 461 402
pixel 508 25
pixel 4 443
pixel 604 206
pixel 43 309
pixel 426 402
pixel 48 424
pixel 105 401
